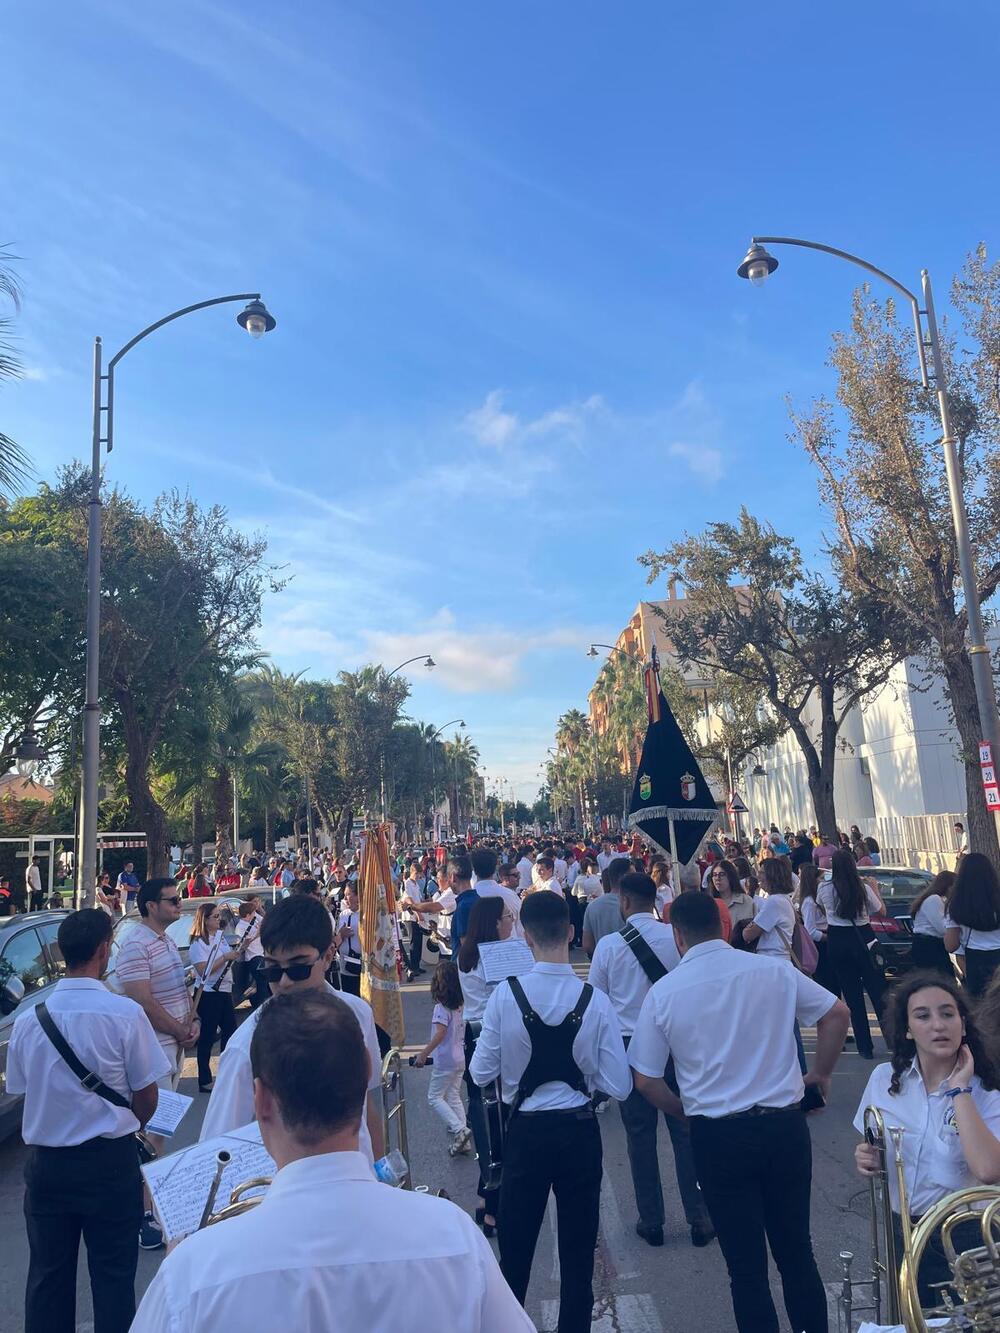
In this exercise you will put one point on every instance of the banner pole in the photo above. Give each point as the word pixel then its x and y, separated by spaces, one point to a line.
pixel 673 850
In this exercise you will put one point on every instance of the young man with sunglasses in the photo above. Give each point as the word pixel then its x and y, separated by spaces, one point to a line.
pixel 297 939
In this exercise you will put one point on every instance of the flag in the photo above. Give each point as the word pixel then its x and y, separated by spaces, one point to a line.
pixel 669 786
pixel 378 930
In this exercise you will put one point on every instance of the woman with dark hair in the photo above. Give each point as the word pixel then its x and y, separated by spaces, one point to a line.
pixel 802 850
pixel 747 876
pixel 972 926
pixel 211 958
pixel 874 851
pixel 773 927
pixel 490 920
pixel 726 886
pixel 847 903
pixel 814 924
pixel 927 913
pixel 940 1089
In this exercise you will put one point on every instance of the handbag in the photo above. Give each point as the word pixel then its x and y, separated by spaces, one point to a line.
pixel 804 952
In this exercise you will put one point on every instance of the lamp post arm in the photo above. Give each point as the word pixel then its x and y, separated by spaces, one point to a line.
pixel 395 670
pixel 869 268
pixel 168 319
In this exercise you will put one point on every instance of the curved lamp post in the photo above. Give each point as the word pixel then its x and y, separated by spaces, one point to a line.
pixel 430 664
pixel 757 266
pixel 256 320
pixel 437 733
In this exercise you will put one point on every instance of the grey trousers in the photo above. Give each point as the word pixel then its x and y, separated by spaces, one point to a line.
pixel 640 1120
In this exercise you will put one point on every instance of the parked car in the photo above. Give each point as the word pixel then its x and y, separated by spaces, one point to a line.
pixel 30 965
pixel 898 887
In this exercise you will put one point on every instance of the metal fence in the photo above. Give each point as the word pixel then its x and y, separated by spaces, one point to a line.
pixel 926 841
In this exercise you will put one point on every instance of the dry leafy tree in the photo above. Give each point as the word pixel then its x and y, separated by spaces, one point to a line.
pixel 883 478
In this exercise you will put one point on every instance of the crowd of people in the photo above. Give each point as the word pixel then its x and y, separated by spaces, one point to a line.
pixel 681 990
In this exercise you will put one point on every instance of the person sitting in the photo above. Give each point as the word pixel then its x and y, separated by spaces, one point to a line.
pixel 328 1247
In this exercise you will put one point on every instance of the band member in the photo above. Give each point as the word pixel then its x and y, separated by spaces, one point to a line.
pixel 553 1041
pixel 246 973
pixel 328 1247
pixel 625 965
pixel 82 1172
pixel 726 1017
pixel 349 944
pixel 941 1089
pixel 297 939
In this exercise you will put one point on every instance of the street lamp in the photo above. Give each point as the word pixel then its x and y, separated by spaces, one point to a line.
pixel 29 755
pixel 592 651
pixel 757 266
pixel 430 664
pixel 257 321
pixel 433 761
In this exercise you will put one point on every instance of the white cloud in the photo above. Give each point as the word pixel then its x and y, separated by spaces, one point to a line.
pixel 493 426
pixel 37 373
pixel 703 460
pixel 490 424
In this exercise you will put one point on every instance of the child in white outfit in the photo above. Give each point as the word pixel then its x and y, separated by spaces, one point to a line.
pixel 447 1045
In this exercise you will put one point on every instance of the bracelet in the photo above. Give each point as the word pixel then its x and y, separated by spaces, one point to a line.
pixel 957 1092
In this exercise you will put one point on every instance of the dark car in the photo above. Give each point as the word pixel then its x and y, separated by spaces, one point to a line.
pixel 30 965
pixel 898 886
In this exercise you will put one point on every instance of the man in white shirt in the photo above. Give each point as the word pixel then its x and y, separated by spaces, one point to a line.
pixel 297 938
pixel 625 964
pixel 328 1247
pixel 552 1041
pixel 525 863
pixel 606 855
pixel 82 1173
pixel 33 885
pixel 544 876
pixel 727 1019
pixel 560 865
pixel 484 866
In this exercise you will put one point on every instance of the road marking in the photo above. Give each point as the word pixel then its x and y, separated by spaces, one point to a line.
pixel 621 1252
pixel 624 1314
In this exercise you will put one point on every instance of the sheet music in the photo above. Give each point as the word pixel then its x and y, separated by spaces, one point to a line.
pixel 179 1183
pixel 505 958
pixel 171 1108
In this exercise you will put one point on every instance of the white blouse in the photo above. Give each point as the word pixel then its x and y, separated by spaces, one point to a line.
pixel 200 952
pixel 930 918
pixel 814 919
pixel 826 896
pixel 476 990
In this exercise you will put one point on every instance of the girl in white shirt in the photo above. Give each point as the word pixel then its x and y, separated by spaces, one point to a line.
pixel 940 1089
pixel 927 916
pixel 211 957
pixel 773 926
pixel 490 919
pixel 972 926
pixel 447 1047
pixel 846 902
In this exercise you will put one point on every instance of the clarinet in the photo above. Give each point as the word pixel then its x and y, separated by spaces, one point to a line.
pixel 229 961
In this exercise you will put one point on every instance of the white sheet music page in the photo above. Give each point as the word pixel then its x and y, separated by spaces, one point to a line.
pixel 505 958
pixel 171 1108
pixel 179 1183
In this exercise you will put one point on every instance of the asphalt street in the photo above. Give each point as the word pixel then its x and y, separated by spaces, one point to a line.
pixel 639 1289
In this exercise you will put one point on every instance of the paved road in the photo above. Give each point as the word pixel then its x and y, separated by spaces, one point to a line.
pixel 639 1290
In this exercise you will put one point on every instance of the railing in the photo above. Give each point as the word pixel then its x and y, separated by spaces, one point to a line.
pixel 924 841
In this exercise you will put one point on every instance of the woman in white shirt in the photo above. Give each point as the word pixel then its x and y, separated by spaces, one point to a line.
pixel 814 924
pixel 211 957
pixel 972 926
pixel 490 920
pixel 940 1089
pixel 846 902
pixel 927 918
pixel 773 927
pixel 586 887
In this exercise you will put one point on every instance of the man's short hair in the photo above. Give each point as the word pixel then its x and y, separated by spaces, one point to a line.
pixel 307 885
pixel 81 934
pixel 696 916
pixel 545 916
pixel 150 891
pixel 545 863
pixel 308 1051
pixel 615 872
pixel 638 886
pixel 297 922
pixel 484 862
pixel 460 865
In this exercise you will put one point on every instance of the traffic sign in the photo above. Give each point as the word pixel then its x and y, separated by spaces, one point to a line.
pixel 737 805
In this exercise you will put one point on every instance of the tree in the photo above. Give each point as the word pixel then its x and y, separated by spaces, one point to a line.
pixel 14 464
pixel 883 479
pixel 756 614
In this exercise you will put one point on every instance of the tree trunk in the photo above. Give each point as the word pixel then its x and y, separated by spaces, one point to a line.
pixel 980 821
pixel 819 770
pixel 222 795
pixel 267 827
pixel 146 815
pixel 196 829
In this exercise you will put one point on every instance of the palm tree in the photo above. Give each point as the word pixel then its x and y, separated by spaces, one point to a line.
pixel 14 463
pixel 461 765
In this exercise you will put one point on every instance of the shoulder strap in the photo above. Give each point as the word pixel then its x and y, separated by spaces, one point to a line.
pixel 88 1080
pixel 517 990
pixel 580 1008
pixel 643 954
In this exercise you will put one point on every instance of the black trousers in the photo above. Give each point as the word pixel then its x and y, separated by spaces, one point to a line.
pixel 215 1009
pixel 417 933
pixel 756 1174
pixel 855 972
pixel 980 965
pixel 558 1151
pixel 93 1190
pixel 928 951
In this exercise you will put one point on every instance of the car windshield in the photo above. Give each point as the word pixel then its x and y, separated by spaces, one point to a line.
pixel 900 883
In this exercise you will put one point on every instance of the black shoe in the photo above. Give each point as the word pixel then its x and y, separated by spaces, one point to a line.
pixel 489 1229
pixel 205 1087
pixel 411 976
pixel 867 1055
pixel 651 1235
pixel 480 1216
pixel 700 1237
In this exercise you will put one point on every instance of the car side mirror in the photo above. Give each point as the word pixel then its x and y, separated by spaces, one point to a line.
pixel 11 995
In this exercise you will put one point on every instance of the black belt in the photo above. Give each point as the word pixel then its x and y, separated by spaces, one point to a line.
pixel 751 1111
pixel 585 1112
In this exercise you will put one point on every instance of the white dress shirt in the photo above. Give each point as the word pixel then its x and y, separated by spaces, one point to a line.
pixel 604 859
pixel 776 918
pixel 826 896
pixel 243 927
pixel 524 868
pixel 231 1102
pixel 489 888
pixel 930 917
pixel 560 869
pixel 813 919
pixel 933 1161
pixel 476 990
pixel 726 1017
pixel 504 1047
pixel 330 1249
pixel 973 939
pixel 110 1035
pixel 615 970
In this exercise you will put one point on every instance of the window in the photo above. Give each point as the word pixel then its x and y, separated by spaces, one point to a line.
pixel 48 931
pixel 24 958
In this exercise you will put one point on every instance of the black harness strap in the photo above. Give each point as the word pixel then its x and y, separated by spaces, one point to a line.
pixel 551 1058
pixel 643 954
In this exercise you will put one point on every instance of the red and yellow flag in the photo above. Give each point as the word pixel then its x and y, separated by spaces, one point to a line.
pixel 378 928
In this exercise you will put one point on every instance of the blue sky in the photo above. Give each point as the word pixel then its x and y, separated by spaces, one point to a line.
pixel 500 242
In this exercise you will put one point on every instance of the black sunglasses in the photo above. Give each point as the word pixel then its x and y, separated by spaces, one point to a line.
pixel 272 972
pixel 175 901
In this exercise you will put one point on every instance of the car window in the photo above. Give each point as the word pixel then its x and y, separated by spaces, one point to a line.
pixel 23 957
pixel 49 930
pixel 901 883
